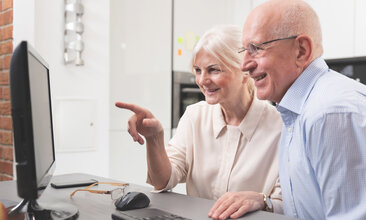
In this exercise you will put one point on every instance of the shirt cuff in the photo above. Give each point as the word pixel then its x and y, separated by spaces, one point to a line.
pixel 169 186
pixel 277 206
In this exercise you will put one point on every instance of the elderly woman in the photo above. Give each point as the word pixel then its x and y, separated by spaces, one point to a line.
pixel 224 148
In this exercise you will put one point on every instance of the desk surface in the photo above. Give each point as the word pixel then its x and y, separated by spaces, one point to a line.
pixel 95 206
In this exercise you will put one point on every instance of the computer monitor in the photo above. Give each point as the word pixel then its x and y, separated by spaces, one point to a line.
pixel 33 132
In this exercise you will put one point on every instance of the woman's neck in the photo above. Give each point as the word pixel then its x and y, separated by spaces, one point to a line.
pixel 235 111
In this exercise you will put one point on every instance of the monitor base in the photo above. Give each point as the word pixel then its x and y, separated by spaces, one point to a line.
pixel 56 211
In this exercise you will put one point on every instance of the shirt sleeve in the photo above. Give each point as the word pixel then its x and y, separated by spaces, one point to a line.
pixel 276 198
pixel 177 152
pixel 337 151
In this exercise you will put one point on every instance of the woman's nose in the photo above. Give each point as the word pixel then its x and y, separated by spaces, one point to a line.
pixel 203 79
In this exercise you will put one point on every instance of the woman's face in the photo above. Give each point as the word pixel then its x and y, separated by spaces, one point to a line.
pixel 217 83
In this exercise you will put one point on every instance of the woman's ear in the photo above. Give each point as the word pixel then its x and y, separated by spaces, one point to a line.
pixel 305 51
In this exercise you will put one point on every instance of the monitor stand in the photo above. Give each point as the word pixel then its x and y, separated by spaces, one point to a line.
pixel 55 211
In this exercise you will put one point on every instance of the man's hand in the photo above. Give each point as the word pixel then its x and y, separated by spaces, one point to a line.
pixel 236 204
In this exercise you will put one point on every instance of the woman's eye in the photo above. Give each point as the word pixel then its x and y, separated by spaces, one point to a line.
pixel 197 70
pixel 214 70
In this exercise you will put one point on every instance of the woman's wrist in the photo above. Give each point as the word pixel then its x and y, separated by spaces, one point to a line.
pixel 156 139
pixel 267 203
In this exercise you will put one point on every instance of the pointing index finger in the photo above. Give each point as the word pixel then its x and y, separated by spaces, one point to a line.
pixel 136 109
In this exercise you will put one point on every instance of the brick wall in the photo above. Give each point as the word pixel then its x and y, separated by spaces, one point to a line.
pixel 6 49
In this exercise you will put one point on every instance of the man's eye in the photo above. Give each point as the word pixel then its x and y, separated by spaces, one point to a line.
pixel 258 48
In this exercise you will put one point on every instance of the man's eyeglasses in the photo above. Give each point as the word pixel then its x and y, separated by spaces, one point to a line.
pixel 253 48
pixel 115 193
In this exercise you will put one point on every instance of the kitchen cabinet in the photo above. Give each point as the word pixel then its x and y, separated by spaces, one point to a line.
pixel 360 28
pixel 337 23
pixel 343 29
pixel 192 18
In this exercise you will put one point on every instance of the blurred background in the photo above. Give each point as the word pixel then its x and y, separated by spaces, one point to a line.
pixel 135 51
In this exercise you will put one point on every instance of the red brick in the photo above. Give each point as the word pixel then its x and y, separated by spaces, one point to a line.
pixel 5 108
pixel 6 48
pixel 6 63
pixel 5 93
pixel 6 17
pixel 4 78
pixel 6 137
pixel 4 177
pixel 6 153
pixel 6 33
pixel 6 167
pixel 7 4
pixel 6 122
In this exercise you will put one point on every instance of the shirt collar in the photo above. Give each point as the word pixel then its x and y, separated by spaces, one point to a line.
pixel 296 96
pixel 247 126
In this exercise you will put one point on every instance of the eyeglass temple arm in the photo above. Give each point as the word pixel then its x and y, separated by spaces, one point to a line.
pixel 98 191
pixel 91 191
pixel 284 38
pixel 113 184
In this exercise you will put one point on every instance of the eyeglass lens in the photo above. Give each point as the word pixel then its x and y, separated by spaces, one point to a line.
pixel 252 49
pixel 117 193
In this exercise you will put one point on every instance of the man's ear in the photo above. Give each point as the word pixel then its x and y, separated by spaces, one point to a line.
pixel 305 51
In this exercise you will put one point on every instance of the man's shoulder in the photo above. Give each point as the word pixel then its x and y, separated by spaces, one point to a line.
pixel 334 93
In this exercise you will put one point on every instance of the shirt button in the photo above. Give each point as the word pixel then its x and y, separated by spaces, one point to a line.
pixel 289 130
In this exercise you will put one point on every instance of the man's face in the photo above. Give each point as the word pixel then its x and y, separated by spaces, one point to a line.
pixel 273 68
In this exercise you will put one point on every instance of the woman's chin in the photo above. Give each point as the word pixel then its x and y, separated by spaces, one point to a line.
pixel 211 101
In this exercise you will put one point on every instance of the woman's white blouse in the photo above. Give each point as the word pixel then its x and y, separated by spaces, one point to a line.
pixel 213 158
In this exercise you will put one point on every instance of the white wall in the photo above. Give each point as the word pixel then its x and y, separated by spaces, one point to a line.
pixel 140 48
pixel 41 22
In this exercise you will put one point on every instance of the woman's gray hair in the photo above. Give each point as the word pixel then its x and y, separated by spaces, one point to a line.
pixel 223 42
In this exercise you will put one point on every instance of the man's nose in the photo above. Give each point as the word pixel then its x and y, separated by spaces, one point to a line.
pixel 248 64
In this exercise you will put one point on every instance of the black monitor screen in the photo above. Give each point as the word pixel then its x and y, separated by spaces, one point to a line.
pixel 42 127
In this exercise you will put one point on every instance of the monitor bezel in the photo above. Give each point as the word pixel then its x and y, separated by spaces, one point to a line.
pixel 27 185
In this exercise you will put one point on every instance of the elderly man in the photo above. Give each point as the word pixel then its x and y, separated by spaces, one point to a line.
pixel 323 144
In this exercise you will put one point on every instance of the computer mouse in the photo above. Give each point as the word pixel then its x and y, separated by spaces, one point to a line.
pixel 132 200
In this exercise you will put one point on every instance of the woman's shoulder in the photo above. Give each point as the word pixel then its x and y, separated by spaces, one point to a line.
pixel 271 114
pixel 201 111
